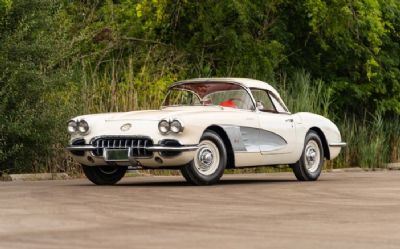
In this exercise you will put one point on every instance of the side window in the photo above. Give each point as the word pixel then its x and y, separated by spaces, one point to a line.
pixel 278 106
pixel 263 100
pixel 239 99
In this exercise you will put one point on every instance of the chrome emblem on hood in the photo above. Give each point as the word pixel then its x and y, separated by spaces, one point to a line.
pixel 126 127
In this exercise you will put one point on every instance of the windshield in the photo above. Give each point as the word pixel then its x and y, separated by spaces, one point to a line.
pixel 209 93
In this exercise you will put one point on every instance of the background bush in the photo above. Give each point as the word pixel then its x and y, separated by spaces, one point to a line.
pixel 59 59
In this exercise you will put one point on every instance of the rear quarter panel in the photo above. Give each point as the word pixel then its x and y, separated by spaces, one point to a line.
pixel 306 121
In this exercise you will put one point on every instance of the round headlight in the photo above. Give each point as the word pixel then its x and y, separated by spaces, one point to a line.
pixel 72 126
pixel 164 126
pixel 176 126
pixel 83 127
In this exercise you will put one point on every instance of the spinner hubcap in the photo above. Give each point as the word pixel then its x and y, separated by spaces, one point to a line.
pixel 312 156
pixel 207 158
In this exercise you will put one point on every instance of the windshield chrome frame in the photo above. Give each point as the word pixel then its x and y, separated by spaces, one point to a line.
pixel 169 89
pixel 254 108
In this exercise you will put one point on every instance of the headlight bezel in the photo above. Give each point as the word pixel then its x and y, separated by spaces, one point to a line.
pixel 80 127
pixel 165 126
pixel 72 126
pixel 176 124
pixel 83 127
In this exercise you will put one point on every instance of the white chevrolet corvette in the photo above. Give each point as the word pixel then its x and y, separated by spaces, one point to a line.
pixel 205 126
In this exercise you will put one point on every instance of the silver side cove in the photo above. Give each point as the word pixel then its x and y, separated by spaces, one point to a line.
pixel 248 139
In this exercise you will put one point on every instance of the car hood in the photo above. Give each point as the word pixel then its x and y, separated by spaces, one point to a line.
pixel 145 123
pixel 150 115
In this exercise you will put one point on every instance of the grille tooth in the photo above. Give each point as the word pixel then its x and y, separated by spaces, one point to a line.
pixel 138 148
pixel 145 145
pixel 137 145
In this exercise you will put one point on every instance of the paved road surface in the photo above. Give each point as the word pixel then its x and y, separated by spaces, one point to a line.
pixel 342 210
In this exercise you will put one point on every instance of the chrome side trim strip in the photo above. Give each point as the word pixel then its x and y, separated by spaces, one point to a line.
pixel 341 144
pixel 177 148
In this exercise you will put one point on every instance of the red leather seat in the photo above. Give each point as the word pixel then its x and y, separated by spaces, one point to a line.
pixel 228 103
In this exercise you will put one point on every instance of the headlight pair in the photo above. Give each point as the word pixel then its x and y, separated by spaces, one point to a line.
pixel 166 126
pixel 81 127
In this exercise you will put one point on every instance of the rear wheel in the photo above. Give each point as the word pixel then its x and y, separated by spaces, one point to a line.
pixel 310 164
pixel 209 161
pixel 104 175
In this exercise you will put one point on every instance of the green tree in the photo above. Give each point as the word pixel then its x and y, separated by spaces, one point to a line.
pixel 354 46
pixel 5 6
pixel 28 71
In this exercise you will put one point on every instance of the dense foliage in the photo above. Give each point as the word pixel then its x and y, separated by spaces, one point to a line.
pixel 62 58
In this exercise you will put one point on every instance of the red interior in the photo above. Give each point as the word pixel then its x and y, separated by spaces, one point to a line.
pixel 228 103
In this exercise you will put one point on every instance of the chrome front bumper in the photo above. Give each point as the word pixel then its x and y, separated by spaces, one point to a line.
pixel 164 156
pixel 341 144
pixel 158 148
pixel 131 150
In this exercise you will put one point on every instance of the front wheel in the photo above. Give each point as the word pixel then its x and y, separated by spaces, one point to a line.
pixel 310 164
pixel 104 175
pixel 209 161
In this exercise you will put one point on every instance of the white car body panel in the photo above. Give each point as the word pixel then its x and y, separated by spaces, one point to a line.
pixel 257 138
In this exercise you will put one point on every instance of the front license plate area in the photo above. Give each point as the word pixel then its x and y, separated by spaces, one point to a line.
pixel 116 155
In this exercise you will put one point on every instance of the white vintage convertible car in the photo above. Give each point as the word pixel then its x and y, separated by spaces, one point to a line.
pixel 205 125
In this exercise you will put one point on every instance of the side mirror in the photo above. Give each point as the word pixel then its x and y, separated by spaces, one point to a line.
pixel 260 106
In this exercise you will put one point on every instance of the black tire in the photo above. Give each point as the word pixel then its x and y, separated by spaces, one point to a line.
pixel 306 169
pixel 104 175
pixel 186 175
pixel 210 143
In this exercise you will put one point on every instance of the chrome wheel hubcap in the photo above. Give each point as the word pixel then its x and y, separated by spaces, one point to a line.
pixel 312 156
pixel 207 158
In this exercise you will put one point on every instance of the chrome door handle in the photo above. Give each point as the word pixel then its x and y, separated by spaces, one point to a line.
pixel 289 120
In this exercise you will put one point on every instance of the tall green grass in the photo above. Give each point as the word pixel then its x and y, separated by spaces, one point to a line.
pixel 118 89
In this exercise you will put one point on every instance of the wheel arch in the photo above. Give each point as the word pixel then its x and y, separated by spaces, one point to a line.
pixel 323 140
pixel 229 149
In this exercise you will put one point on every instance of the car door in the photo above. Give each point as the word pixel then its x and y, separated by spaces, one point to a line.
pixel 277 133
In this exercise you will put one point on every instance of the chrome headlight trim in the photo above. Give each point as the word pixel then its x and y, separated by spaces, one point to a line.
pixel 164 126
pixel 72 126
pixel 83 127
pixel 176 126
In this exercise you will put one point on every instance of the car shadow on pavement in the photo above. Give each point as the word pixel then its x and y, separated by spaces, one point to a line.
pixel 223 182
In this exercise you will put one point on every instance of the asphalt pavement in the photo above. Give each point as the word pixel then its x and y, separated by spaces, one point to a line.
pixel 341 210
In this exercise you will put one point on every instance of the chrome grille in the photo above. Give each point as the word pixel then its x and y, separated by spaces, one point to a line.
pixel 138 145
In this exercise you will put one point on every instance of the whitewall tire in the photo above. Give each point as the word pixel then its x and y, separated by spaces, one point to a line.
pixel 311 162
pixel 209 162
